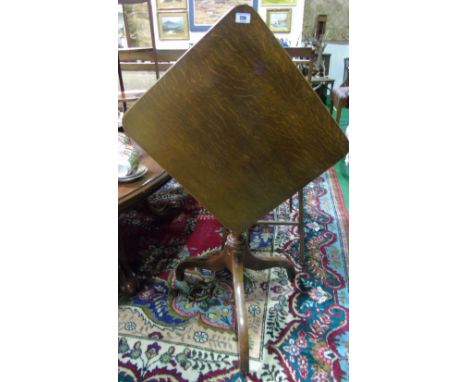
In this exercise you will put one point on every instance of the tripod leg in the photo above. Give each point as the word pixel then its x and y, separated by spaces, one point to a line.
pixel 237 269
pixel 213 263
pixel 225 233
pixel 128 283
pixel 259 263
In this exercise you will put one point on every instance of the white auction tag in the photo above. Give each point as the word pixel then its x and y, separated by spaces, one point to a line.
pixel 243 18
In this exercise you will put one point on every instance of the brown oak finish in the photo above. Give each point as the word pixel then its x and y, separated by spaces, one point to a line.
pixel 225 128
pixel 241 135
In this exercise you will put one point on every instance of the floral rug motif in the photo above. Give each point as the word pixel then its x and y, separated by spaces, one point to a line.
pixel 185 331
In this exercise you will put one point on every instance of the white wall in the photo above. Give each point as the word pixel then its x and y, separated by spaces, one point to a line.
pixel 295 36
pixel 338 53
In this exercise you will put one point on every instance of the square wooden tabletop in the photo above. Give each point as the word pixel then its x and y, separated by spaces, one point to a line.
pixel 236 123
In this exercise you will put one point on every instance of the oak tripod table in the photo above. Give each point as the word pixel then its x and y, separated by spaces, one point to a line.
pixel 241 135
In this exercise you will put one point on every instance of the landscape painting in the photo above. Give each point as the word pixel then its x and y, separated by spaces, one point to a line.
pixel 171 4
pixel 205 13
pixel 279 20
pixel 173 26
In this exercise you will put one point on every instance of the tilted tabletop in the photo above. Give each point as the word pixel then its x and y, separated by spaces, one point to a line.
pixel 236 123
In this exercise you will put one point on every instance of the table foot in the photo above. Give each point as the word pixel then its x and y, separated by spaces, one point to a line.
pixel 259 263
pixel 128 283
pixel 213 263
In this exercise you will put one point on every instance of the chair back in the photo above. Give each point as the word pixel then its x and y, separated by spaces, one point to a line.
pixel 145 60
pixel 308 53
pixel 138 59
pixel 140 54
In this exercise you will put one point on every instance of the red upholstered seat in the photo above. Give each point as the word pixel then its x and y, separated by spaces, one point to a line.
pixel 341 96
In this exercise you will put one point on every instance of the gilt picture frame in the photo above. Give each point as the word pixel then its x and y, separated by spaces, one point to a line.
pixel 269 3
pixel 205 13
pixel 171 4
pixel 279 20
pixel 173 26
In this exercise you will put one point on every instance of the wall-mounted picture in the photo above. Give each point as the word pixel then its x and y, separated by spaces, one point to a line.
pixel 171 4
pixel 205 13
pixel 279 20
pixel 266 3
pixel 173 26
pixel 122 33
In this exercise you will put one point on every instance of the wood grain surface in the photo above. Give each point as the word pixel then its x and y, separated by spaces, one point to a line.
pixel 236 123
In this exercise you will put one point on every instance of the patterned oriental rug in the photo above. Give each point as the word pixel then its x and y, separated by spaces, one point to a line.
pixel 185 331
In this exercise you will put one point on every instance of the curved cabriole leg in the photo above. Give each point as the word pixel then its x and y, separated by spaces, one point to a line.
pixel 213 263
pixel 259 263
pixel 128 284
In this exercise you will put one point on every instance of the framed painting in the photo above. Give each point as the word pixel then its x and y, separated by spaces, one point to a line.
pixel 268 3
pixel 123 43
pixel 173 26
pixel 205 13
pixel 279 20
pixel 171 4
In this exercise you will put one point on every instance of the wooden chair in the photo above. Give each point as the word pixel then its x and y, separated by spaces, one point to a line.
pixel 125 96
pixel 303 56
pixel 340 95
pixel 299 223
pixel 307 57
pixel 144 60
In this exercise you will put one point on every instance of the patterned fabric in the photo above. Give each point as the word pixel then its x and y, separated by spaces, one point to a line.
pixel 297 332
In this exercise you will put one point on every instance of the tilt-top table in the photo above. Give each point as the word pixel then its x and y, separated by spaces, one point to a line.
pixel 236 124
